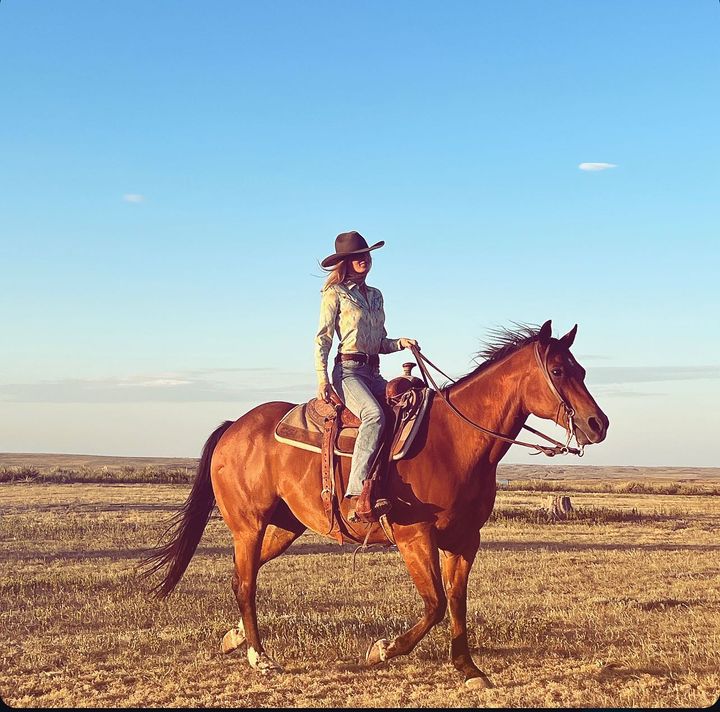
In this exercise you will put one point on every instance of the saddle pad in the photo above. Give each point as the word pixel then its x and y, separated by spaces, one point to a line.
pixel 296 429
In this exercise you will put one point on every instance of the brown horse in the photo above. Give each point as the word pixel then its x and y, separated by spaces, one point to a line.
pixel 442 492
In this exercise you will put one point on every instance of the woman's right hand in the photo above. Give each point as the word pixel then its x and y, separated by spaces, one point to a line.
pixel 325 391
pixel 407 343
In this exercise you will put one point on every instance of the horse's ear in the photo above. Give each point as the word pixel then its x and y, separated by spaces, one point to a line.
pixel 567 340
pixel 545 332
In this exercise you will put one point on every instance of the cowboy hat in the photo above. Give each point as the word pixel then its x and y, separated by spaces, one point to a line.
pixel 346 244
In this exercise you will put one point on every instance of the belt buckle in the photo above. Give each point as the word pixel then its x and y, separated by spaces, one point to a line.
pixel 358 358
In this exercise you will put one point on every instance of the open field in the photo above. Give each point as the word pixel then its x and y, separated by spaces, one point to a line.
pixel 617 607
pixel 89 468
pixel 50 461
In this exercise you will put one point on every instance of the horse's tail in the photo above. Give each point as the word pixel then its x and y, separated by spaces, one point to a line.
pixel 187 525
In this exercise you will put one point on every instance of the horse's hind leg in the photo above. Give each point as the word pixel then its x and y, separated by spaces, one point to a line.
pixel 235 637
pixel 248 543
pixel 283 530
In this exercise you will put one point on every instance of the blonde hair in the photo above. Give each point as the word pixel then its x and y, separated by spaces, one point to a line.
pixel 337 274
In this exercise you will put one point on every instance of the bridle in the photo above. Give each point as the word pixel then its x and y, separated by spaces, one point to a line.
pixel 562 403
pixel 558 449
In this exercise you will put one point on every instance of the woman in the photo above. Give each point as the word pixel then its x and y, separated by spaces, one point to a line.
pixel 355 311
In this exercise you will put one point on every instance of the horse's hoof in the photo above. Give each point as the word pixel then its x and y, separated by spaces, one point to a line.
pixel 232 640
pixel 267 666
pixel 481 682
pixel 377 652
pixel 263 663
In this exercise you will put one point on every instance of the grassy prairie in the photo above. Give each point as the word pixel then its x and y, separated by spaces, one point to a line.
pixel 39 467
pixel 620 606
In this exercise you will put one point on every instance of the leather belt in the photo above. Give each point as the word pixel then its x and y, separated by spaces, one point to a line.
pixel 371 359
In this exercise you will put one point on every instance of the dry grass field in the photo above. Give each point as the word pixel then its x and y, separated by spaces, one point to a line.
pixel 619 606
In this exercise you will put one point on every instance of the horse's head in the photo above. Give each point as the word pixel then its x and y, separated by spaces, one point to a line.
pixel 558 391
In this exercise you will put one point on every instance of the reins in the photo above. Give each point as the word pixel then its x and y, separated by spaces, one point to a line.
pixel 558 449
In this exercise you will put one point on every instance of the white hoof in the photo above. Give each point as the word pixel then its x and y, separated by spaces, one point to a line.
pixel 478 683
pixel 377 652
pixel 232 640
pixel 262 662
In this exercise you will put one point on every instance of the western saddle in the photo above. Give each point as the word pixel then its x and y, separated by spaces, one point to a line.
pixel 331 429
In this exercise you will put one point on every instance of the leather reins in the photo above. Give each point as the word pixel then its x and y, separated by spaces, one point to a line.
pixel 558 449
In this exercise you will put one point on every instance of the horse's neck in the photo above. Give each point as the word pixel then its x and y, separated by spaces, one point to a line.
pixel 492 398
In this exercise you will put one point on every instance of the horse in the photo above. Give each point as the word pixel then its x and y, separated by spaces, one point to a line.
pixel 442 492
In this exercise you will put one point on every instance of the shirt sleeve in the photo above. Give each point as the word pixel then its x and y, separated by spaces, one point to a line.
pixel 326 329
pixel 387 346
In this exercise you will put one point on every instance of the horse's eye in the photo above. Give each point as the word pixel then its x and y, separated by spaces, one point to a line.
pixel 557 372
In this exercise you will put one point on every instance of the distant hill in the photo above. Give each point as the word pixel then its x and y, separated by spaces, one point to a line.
pixel 49 461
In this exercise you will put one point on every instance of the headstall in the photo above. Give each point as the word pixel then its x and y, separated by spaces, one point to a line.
pixel 558 449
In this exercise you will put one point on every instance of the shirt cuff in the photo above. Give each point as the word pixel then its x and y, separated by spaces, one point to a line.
pixel 393 345
pixel 322 378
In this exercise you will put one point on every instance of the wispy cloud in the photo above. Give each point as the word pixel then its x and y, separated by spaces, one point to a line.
pixel 133 198
pixel 650 374
pixel 246 386
pixel 605 392
pixel 155 383
pixel 596 166
pixel 266 384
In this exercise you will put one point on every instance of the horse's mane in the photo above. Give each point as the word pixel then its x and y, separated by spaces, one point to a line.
pixel 502 343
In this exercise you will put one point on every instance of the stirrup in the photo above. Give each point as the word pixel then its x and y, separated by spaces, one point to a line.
pixel 381 507
pixel 370 516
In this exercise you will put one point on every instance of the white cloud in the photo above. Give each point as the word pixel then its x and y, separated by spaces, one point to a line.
pixel 650 374
pixel 133 198
pixel 596 166
pixel 160 382
pixel 249 385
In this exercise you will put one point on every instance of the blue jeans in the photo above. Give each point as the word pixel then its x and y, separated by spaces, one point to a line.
pixel 361 387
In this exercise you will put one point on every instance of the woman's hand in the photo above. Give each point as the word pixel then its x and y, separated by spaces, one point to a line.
pixel 407 343
pixel 325 391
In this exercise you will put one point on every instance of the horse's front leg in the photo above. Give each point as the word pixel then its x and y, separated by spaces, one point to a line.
pixel 419 550
pixel 456 569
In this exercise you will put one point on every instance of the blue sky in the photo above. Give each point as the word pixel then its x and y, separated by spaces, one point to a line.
pixel 171 173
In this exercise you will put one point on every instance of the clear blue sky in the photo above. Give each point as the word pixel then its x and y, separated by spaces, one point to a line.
pixel 171 173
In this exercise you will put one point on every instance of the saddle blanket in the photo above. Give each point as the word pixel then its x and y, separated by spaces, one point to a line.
pixel 295 428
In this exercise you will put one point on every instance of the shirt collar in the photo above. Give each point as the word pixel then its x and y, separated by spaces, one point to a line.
pixel 355 285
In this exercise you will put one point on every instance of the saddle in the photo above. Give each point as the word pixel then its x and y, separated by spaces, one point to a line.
pixel 331 429
pixel 303 426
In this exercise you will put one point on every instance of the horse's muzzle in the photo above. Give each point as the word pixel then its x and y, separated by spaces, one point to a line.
pixel 591 430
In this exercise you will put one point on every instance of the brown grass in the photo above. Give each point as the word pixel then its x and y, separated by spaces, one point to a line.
pixel 39 467
pixel 127 474
pixel 627 487
pixel 620 606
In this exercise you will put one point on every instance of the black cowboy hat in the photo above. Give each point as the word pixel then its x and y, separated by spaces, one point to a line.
pixel 349 243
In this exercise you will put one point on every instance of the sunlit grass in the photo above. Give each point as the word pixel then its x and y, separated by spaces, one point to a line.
pixel 617 606
pixel 624 487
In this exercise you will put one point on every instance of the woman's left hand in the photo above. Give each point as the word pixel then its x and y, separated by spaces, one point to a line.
pixel 407 343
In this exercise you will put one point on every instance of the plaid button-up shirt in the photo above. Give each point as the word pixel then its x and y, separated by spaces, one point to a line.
pixel 359 323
